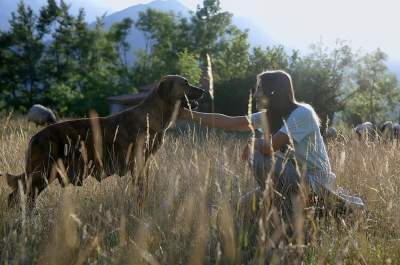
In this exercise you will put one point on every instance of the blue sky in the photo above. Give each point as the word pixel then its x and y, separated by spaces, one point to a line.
pixel 366 24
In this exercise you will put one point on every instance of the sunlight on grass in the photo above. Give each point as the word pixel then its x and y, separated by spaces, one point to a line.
pixel 192 215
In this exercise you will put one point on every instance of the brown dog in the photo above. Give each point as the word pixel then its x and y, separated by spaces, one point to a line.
pixel 100 147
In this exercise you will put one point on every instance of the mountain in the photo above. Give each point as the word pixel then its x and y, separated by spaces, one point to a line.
pixel 133 11
pixel 136 37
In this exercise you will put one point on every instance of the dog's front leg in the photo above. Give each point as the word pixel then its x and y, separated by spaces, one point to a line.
pixel 139 169
pixel 139 158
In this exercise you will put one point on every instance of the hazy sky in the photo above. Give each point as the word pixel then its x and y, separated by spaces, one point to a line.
pixel 365 23
pixel 297 23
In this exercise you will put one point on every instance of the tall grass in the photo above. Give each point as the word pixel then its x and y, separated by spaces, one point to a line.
pixel 191 214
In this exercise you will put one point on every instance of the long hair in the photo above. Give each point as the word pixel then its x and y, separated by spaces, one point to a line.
pixel 277 88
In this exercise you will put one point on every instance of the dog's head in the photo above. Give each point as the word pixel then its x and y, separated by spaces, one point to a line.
pixel 175 88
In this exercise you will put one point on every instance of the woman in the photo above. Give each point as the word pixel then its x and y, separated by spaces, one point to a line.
pixel 292 144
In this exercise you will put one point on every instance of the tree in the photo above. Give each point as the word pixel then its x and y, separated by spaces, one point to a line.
pixel 56 59
pixel 208 31
pixel 232 61
pixel 320 77
pixel 188 66
pixel 118 33
pixel 232 96
pixel 161 54
pixel 270 58
pixel 21 52
pixel 6 78
pixel 375 91
pixel 209 26
pixel 99 71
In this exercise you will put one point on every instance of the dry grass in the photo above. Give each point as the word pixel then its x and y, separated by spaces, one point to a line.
pixel 190 216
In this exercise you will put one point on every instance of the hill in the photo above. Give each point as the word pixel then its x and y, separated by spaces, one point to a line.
pixel 136 37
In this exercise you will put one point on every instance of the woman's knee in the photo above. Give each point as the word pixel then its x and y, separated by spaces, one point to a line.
pixel 263 166
pixel 260 160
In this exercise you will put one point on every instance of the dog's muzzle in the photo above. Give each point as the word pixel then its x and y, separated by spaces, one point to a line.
pixel 193 94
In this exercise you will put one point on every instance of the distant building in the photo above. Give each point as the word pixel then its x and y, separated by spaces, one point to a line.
pixel 122 102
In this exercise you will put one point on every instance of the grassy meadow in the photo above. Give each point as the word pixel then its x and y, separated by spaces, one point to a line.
pixel 191 216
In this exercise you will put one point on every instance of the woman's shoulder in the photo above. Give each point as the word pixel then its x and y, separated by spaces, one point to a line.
pixel 305 111
pixel 304 107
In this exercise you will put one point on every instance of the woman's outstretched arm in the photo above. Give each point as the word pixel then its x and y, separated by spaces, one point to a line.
pixel 217 120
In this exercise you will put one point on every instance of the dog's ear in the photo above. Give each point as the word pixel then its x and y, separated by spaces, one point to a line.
pixel 164 89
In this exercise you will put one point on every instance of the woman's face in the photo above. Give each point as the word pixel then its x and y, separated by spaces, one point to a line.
pixel 262 101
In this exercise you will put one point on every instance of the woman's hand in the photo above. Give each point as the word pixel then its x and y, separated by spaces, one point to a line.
pixel 253 144
pixel 246 153
pixel 248 149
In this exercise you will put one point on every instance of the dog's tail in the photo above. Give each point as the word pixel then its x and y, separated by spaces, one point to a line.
pixel 12 180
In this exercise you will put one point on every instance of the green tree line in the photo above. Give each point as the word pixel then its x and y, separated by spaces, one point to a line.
pixel 57 59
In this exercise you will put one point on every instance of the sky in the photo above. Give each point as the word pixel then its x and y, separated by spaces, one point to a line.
pixel 366 24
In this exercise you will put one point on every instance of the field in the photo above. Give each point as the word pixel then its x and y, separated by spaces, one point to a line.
pixel 191 214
